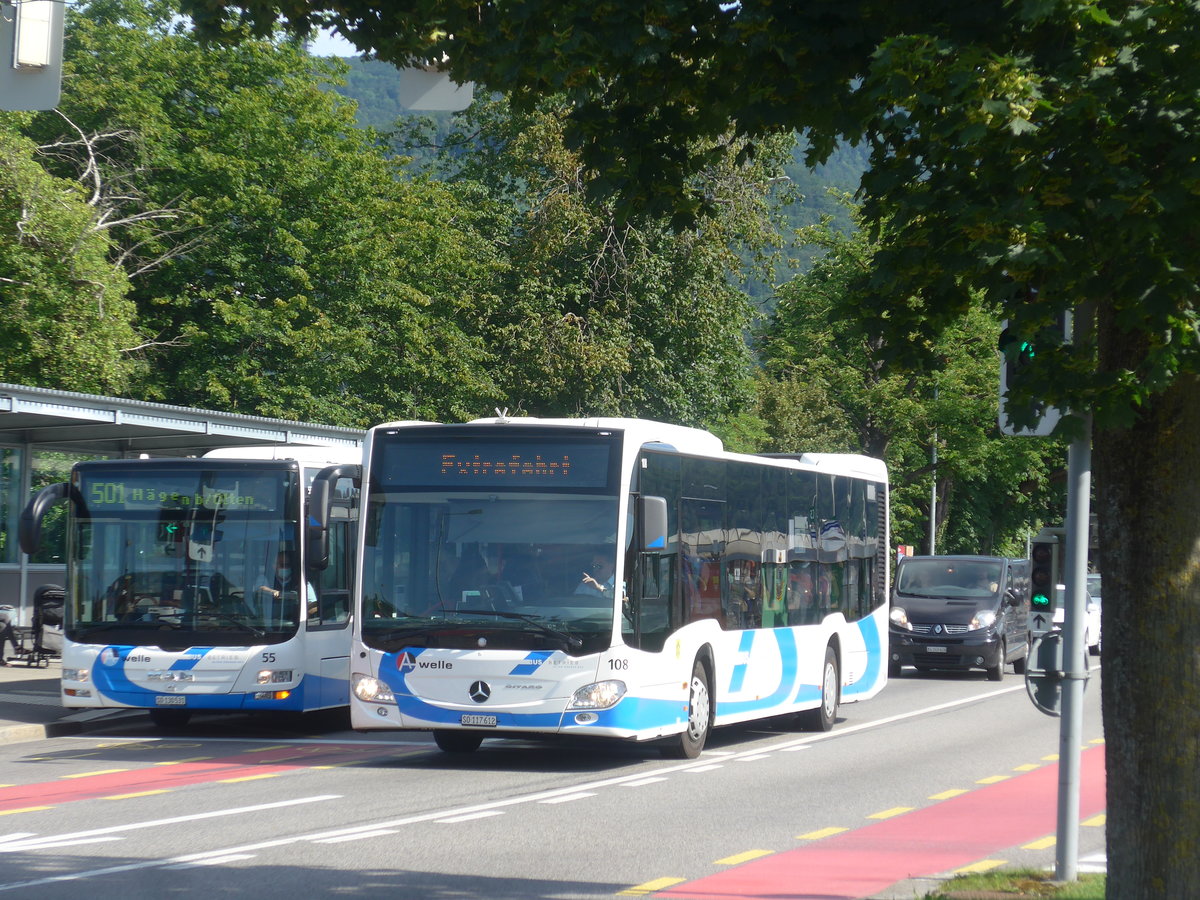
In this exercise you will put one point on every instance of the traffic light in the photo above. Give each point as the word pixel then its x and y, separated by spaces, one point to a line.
pixel 1044 574
pixel 1018 354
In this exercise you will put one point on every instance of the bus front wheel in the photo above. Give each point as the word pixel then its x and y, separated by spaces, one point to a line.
pixel 457 741
pixel 822 718
pixel 689 744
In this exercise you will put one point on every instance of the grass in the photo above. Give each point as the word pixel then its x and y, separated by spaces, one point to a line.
pixel 1019 884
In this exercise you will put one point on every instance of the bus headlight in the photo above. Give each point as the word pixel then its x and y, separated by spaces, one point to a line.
pixel 371 690
pixel 983 619
pixel 273 676
pixel 599 695
pixel 899 617
pixel 76 674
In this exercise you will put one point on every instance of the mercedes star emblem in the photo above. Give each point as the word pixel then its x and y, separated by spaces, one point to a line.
pixel 479 691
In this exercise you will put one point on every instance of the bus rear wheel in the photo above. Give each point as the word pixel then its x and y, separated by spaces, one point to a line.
pixel 457 741
pixel 689 744
pixel 822 718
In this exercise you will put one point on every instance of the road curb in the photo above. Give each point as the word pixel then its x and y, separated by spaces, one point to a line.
pixel 17 734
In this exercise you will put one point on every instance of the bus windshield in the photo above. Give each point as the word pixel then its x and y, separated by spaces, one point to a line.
pixel 517 570
pixel 185 553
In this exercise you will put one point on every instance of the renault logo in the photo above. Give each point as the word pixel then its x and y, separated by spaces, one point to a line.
pixel 479 692
pixel 937 629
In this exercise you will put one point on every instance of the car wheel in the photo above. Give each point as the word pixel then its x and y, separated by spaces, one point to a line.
pixel 1020 664
pixel 895 670
pixel 996 672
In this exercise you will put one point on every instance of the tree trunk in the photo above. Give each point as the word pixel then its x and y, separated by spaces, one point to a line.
pixel 1148 508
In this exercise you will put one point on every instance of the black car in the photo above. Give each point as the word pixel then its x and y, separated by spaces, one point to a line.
pixel 960 612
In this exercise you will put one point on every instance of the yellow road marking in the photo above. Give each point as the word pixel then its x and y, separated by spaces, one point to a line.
pixel 248 778
pixel 820 833
pixel 982 866
pixel 9 812
pixel 649 887
pixel 99 772
pixel 946 795
pixel 1028 767
pixel 992 779
pixel 1041 844
pixel 888 813
pixel 1053 757
pixel 265 749
pixel 136 794
pixel 1098 740
pixel 1096 821
pixel 180 762
pixel 742 857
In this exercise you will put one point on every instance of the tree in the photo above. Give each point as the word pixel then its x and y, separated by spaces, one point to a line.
pixel 600 315
pixel 828 388
pixel 302 275
pixel 1013 145
pixel 66 320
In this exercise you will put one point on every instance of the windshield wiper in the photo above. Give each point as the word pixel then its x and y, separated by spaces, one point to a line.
pixel 224 617
pixel 541 626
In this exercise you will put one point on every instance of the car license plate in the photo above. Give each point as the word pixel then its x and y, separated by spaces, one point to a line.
pixel 170 700
pixel 935 648
pixel 487 721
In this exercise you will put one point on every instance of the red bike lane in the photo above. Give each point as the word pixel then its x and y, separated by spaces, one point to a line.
pixel 939 838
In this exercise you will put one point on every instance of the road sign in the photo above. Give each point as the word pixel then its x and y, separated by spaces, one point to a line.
pixel 31 42
pixel 1045 677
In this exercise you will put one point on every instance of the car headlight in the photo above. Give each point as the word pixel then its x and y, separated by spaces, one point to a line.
pixel 899 617
pixel 599 695
pixel 983 619
pixel 371 690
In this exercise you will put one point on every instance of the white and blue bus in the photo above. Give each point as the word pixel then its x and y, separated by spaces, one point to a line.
pixel 178 594
pixel 611 577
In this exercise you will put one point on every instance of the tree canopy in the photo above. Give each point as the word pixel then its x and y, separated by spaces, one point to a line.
pixel 1037 154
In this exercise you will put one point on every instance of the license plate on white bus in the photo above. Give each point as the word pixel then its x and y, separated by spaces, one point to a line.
pixel 170 700
pixel 486 721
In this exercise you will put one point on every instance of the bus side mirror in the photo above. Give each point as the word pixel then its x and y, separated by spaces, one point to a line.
pixel 29 528
pixel 652 516
pixel 320 499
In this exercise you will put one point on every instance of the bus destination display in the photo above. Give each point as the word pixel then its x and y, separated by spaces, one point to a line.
pixel 500 464
pixel 171 491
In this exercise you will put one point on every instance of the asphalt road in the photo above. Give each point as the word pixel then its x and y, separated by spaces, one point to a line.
pixel 303 807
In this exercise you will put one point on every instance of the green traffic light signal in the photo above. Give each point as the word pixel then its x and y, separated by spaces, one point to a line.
pixel 1040 602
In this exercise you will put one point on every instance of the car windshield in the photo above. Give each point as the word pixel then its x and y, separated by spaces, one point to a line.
pixel 969 579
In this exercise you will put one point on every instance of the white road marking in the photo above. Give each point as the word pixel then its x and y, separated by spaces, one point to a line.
pixel 83 836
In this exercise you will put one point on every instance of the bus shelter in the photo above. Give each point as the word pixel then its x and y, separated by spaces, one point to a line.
pixel 44 432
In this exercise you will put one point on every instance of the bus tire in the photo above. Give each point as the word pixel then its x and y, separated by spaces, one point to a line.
pixel 823 717
pixel 689 744
pixel 170 718
pixel 457 741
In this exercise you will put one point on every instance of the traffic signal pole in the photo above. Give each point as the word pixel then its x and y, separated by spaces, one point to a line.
pixel 1075 674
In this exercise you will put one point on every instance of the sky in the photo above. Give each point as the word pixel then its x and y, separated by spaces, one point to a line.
pixel 328 44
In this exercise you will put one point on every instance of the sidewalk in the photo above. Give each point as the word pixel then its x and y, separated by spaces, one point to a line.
pixel 30 708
